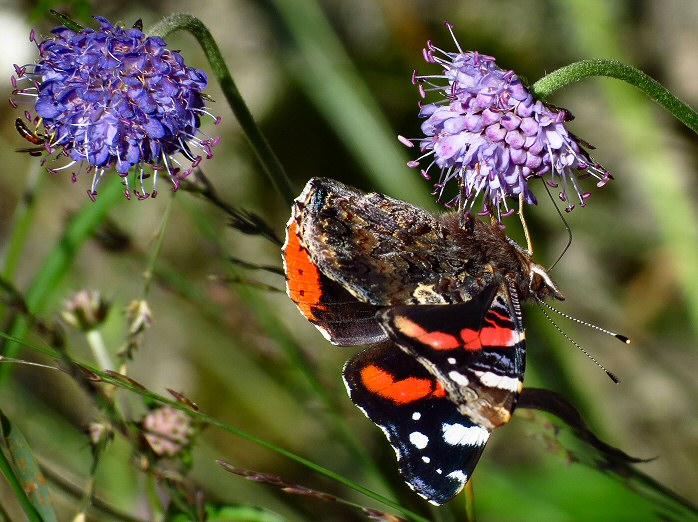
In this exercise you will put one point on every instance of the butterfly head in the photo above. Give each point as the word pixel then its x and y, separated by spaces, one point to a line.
pixel 541 285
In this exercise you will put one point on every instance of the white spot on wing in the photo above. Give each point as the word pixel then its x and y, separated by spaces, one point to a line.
pixel 426 294
pixel 416 416
pixel 459 435
pixel 451 360
pixel 419 440
pixel 459 476
pixel 426 460
pixel 458 378
pixel 325 333
pixel 502 382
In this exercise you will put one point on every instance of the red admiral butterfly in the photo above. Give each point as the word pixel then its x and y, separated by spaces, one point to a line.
pixel 437 298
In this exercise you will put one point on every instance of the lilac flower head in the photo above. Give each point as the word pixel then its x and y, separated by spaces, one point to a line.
pixel 116 98
pixel 490 134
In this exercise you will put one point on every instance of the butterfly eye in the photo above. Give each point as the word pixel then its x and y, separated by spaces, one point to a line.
pixel 536 282
pixel 541 285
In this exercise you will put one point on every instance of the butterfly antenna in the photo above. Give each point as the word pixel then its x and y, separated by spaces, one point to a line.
pixel 610 374
pixel 618 336
pixel 567 227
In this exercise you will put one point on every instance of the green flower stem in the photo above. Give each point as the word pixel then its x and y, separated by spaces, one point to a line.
pixel 99 349
pixel 469 498
pixel 57 263
pixel 270 163
pixel 157 248
pixel 615 69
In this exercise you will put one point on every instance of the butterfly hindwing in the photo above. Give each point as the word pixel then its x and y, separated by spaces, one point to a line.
pixel 475 349
pixel 437 447
pixel 385 251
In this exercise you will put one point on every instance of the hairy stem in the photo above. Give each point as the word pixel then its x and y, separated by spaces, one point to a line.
pixel 614 69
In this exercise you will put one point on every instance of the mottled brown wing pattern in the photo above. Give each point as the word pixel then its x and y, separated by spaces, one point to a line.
pixel 386 251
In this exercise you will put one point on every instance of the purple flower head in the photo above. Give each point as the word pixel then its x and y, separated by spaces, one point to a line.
pixel 116 98
pixel 490 134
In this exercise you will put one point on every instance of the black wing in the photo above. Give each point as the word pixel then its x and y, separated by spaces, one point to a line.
pixel 437 447
pixel 475 349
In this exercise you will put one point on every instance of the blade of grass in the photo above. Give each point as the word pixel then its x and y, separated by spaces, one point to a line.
pixel 111 378
pixel 330 80
pixel 21 222
pixel 57 262
pixel 8 472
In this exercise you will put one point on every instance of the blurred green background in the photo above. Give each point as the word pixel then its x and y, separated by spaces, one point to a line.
pixel 329 83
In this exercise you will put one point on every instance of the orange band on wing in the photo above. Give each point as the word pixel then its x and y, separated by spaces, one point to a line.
pixel 436 340
pixel 498 336
pixel 468 339
pixel 303 277
pixel 403 391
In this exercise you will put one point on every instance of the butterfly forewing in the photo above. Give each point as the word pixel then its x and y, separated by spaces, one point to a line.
pixel 475 349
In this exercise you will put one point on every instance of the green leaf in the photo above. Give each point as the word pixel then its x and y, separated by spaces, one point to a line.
pixel 67 21
pixel 23 470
